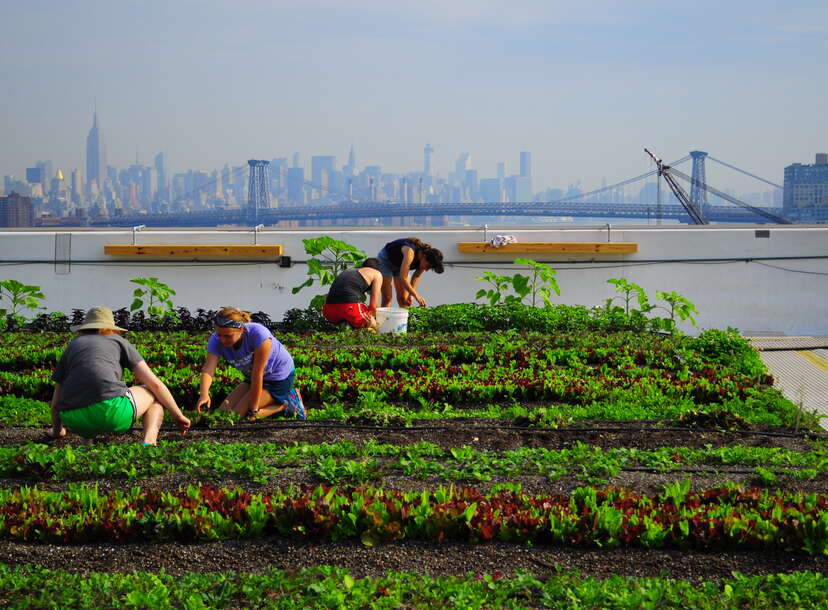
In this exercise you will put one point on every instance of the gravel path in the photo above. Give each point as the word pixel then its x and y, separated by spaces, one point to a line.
pixel 416 557
pixel 488 434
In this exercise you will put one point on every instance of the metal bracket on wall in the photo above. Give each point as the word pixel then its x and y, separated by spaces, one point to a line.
pixel 135 230
pixel 256 230
pixel 63 253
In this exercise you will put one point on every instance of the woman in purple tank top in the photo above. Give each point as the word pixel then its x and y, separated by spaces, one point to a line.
pixel 267 366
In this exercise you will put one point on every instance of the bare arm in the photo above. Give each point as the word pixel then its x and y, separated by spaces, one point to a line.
pixel 376 292
pixel 207 373
pixel 415 277
pixel 57 424
pixel 405 267
pixel 144 375
pixel 257 374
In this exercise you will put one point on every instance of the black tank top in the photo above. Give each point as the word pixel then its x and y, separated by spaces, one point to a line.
pixel 394 251
pixel 348 287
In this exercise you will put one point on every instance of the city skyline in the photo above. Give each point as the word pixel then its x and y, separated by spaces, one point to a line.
pixel 584 89
pixel 97 166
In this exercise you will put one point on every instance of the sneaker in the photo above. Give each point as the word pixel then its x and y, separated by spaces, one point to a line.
pixel 295 405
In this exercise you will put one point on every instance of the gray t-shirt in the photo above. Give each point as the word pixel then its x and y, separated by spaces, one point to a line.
pixel 91 368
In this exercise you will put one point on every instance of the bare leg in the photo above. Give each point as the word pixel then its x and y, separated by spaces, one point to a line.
pixel 235 398
pixel 272 409
pixel 386 291
pixel 403 298
pixel 267 405
pixel 58 429
pixel 150 411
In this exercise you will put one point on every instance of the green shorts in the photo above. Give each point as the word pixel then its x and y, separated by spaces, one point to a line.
pixel 111 415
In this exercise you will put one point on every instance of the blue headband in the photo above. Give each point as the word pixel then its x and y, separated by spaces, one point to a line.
pixel 223 322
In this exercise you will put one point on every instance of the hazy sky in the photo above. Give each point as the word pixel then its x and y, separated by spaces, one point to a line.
pixel 582 85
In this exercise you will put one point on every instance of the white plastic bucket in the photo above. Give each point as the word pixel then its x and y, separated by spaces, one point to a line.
pixel 392 320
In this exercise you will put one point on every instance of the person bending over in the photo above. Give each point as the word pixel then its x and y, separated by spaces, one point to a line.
pixel 89 396
pixel 266 364
pixel 396 259
pixel 345 302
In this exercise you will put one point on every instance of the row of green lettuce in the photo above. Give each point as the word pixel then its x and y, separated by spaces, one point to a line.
pixel 371 410
pixel 540 379
pixel 722 347
pixel 332 587
pixel 346 462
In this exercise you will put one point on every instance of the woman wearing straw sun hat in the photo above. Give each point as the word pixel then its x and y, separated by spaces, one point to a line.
pixel 89 396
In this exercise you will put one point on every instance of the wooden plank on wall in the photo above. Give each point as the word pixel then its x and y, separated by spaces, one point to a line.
pixel 567 247
pixel 194 251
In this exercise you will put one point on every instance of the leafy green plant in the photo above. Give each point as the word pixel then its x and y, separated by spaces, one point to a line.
pixel 330 258
pixel 630 291
pixel 677 307
pixel 765 476
pixel 19 296
pixel 157 294
pixel 334 587
pixel 627 316
pixel 499 283
pixel 540 284
pixel 729 348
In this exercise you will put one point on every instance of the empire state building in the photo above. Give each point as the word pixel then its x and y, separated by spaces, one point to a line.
pixel 95 154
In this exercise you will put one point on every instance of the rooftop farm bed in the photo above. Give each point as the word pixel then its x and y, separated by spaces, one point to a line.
pixel 483 469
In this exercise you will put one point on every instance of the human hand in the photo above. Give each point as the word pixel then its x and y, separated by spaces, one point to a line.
pixel 203 401
pixel 421 301
pixel 183 424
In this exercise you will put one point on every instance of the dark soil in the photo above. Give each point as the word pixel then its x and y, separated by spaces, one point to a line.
pixel 434 559
pixel 636 481
pixel 483 434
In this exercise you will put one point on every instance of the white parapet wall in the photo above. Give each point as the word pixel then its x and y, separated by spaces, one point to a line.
pixel 757 278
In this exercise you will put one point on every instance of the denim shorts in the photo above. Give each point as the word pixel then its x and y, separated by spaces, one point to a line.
pixel 386 267
pixel 280 389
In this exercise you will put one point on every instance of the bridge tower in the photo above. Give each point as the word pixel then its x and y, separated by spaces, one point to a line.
pixel 258 188
pixel 698 195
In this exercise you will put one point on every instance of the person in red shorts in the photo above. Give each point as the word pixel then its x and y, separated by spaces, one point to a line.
pixel 345 302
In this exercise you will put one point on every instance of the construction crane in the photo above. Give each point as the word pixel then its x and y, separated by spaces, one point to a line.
pixel 678 191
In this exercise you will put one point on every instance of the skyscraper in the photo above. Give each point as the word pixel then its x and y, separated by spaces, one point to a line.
pixel 427 152
pixel 95 154
pixel 296 185
pixel 526 164
pixel 322 166
pixel 161 169
pixel 523 183
pixel 16 211
pixel 352 168
pixel 806 190
pixel 77 186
